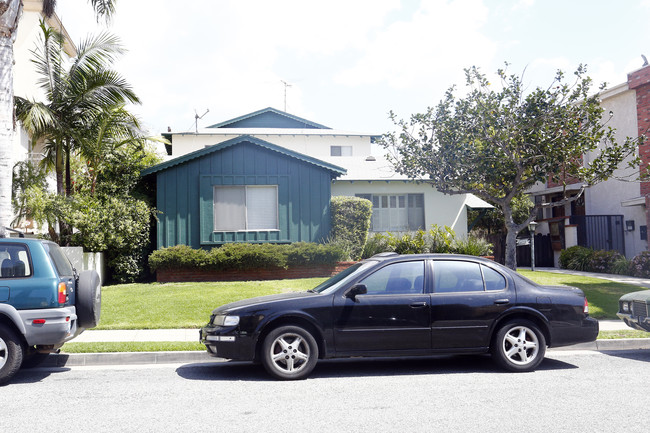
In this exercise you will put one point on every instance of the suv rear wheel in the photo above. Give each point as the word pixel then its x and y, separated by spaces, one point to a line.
pixel 11 353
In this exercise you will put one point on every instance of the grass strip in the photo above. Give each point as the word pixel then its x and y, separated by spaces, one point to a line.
pixel 613 335
pixel 602 295
pixel 133 346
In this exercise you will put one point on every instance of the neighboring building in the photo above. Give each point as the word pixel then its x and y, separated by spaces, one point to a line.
pixel 26 77
pixel 398 204
pixel 612 215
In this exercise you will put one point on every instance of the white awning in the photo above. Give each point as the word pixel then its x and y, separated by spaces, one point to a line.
pixel 476 203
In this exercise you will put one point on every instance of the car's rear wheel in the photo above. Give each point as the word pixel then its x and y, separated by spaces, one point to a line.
pixel 88 300
pixel 519 346
pixel 289 353
pixel 11 354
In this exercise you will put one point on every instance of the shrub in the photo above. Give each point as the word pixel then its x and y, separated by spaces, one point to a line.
pixel 640 265
pixel 302 253
pixel 409 243
pixel 179 257
pixel 377 243
pixel 350 223
pixel 436 240
pixel 242 256
pixel 602 261
pixel 620 266
pixel 248 256
pixel 473 246
pixel 576 258
pixel 442 239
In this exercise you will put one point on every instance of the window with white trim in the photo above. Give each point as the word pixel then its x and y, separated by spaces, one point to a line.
pixel 396 212
pixel 245 207
pixel 340 150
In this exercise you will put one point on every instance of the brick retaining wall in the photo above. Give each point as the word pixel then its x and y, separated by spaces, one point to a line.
pixel 190 275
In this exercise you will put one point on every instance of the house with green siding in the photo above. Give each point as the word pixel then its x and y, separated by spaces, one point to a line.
pixel 244 189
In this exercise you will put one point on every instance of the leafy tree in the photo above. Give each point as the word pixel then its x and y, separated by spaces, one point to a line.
pixel 497 142
pixel 77 97
pixel 10 13
pixel 115 219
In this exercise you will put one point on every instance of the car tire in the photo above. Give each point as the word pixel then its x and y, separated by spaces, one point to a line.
pixel 519 346
pixel 289 353
pixel 88 299
pixel 11 354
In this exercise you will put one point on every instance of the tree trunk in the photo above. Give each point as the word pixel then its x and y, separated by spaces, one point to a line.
pixel 511 236
pixel 511 247
pixel 8 25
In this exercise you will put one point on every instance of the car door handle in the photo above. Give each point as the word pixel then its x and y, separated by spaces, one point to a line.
pixel 418 304
pixel 502 301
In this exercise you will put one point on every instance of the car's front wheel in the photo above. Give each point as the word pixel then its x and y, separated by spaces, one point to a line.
pixel 519 346
pixel 11 354
pixel 289 353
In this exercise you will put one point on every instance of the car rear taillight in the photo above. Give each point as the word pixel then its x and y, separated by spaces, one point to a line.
pixel 63 293
pixel 586 307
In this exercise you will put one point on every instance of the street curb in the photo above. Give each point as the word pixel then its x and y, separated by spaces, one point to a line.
pixel 141 358
pixel 125 358
pixel 613 344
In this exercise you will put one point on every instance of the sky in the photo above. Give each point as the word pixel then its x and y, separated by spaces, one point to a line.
pixel 348 63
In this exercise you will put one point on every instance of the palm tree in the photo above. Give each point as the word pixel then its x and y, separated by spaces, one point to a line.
pixel 75 97
pixel 10 12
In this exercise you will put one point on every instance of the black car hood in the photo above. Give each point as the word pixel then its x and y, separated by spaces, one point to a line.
pixel 261 300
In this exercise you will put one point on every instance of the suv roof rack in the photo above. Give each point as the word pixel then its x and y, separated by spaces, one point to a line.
pixel 20 234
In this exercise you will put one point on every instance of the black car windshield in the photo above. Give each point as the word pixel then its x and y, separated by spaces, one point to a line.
pixel 341 278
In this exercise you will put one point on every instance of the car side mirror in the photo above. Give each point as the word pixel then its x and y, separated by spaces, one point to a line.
pixel 357 289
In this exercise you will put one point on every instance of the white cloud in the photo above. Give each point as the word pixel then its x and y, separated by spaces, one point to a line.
pixel 441 39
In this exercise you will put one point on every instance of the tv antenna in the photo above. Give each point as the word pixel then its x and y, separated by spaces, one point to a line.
pixel 285 94
pixel 197 117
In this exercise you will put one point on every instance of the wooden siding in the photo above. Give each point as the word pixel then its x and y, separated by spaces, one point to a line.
pixel 185 197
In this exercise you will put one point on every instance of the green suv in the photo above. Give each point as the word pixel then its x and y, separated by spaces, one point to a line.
pixel 43 302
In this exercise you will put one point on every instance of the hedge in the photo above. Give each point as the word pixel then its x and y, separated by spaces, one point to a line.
pixel 243 256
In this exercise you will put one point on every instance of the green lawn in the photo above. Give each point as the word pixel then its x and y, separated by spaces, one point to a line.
pixel 182 305
pixel 188 305
pixel 602 295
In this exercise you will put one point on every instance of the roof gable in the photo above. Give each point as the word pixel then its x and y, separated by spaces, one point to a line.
pixel 333 169
pixel 269 118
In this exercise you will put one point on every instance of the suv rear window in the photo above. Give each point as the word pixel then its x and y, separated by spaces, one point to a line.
pixel 59 258
pixel 14 261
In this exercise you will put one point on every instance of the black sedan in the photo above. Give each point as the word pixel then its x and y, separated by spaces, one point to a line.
pixel 400 305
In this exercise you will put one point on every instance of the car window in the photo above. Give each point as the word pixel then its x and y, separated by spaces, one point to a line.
pixel 61 262
pixel 396 278
pixel 342 277
pixel 457 276
pixel 14 261
pixel 493 279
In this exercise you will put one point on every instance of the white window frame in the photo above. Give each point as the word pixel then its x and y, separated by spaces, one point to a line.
pixel 341 151
pixel 248 192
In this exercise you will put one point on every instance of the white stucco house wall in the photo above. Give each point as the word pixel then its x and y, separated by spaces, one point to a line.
pixel 399 204
pixel 25 75
pixel 621 196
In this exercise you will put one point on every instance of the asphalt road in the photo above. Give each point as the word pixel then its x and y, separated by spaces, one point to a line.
pixel 573 391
